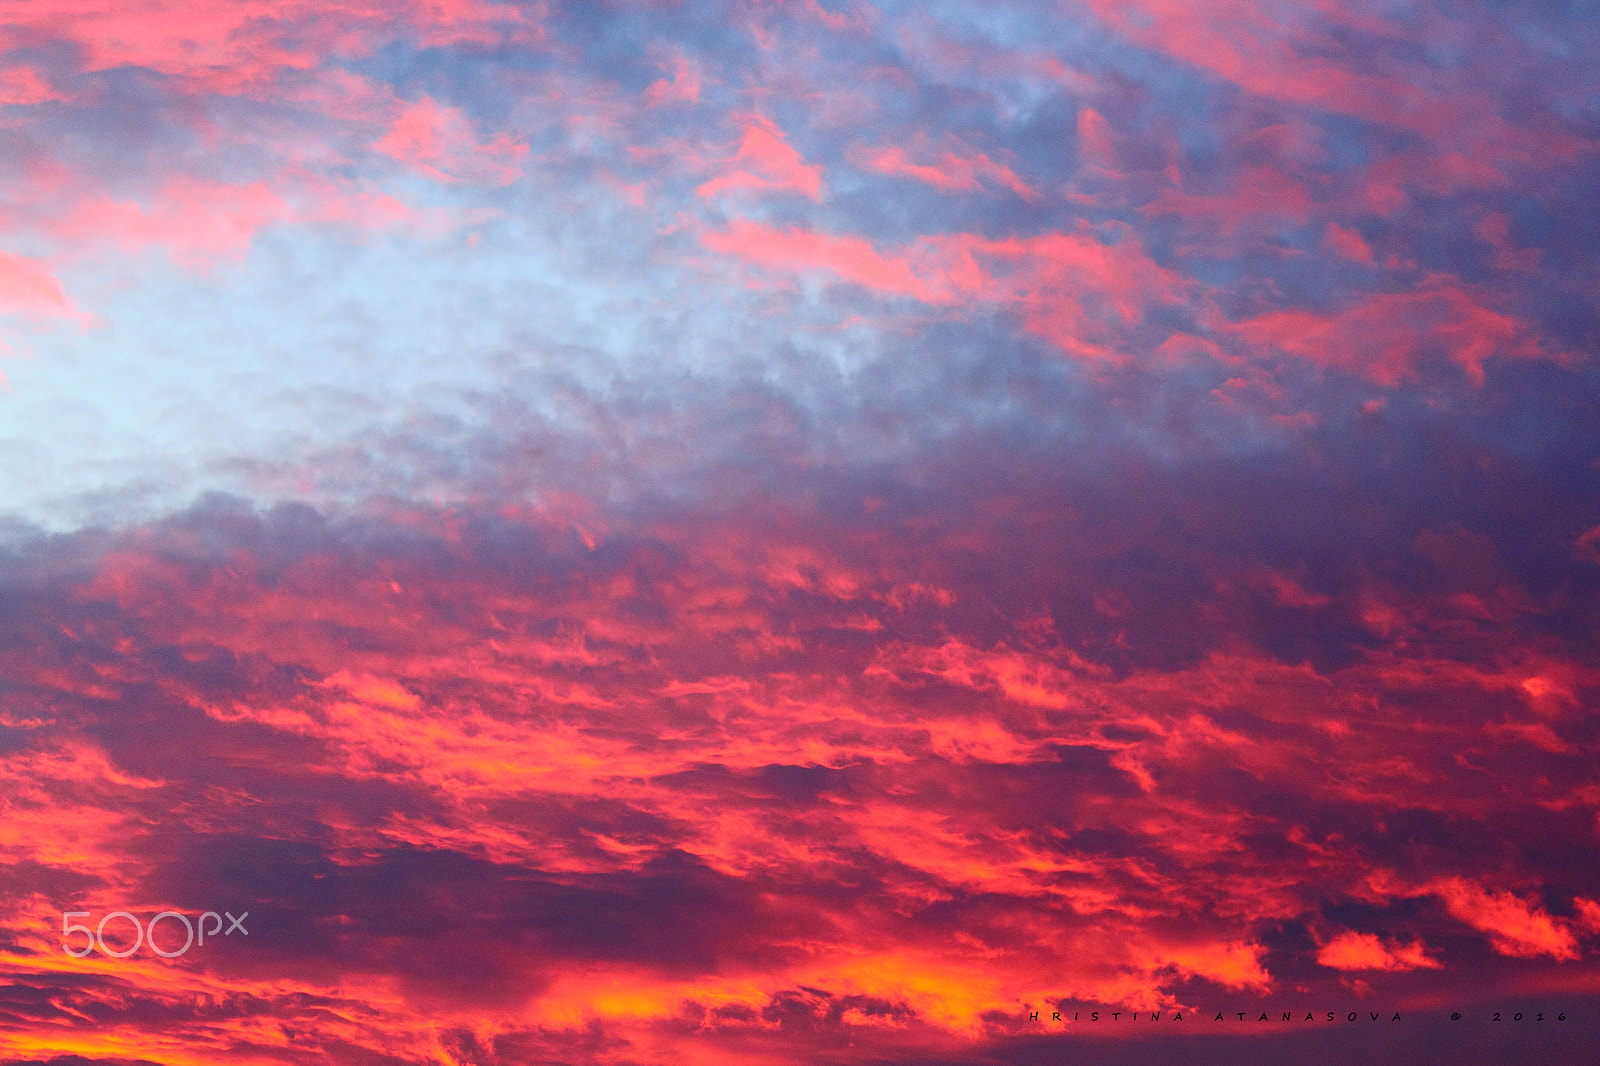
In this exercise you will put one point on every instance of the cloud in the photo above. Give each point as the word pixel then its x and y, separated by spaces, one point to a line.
pixel 475 756
pixel 793 532
pixel 1385 337
pixel 1515 927
pixel 1074 289
pixel 765 161
pixel 1350 950
pixel 951 172
pixel 28 286
pixel 439 143
pixel 243 45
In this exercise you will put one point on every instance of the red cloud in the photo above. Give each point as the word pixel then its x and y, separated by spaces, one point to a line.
pixel 513 741
pixel 865 705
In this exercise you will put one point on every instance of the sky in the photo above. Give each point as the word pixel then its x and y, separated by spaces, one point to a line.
pixel 791 532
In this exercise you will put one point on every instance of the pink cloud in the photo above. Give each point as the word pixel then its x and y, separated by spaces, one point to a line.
pixel 951 172
pixel 1286 53
pixel 440 143
pixel 1072 289
pixel 198 221
pixel 1383 336
pixel 1348 243
pixel 851 258
pixel 1096 140
pixel 1329 56
pixel 28 286
pixel 1588 545
pixel 23 86
pixel 1494 229
pixel 1260 194
pixel 239 46
pixel 683 87
pixel 765 162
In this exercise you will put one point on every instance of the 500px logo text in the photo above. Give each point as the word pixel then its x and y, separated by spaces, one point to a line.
pixel 141 933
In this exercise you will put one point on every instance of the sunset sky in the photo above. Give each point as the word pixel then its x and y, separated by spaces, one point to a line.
pixel 789 532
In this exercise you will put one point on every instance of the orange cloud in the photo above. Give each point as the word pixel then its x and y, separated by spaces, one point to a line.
pixel 1351 950
pixel 1515 927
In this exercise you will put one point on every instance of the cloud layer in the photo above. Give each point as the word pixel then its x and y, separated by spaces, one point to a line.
pixel 783 533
